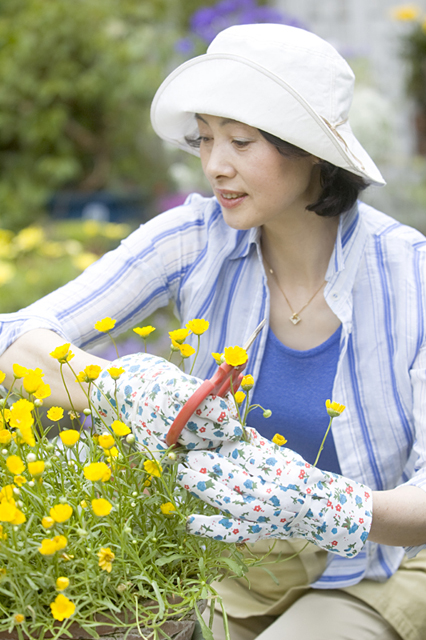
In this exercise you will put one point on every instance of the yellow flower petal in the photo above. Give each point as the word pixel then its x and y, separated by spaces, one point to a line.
pixel 95 471
pixel 61 512
pixel 15 465
pixel 197 326
pixel 143 332
pixel 240 396
pixel 69 437
pixel 153 468
pixel 235 356
pixel 62 607
pixel 101 507
pixel 105 325
pixel 120 429
pixel 279 439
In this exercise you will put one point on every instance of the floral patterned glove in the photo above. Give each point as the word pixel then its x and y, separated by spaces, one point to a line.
pixel 270 491
pixel 149 395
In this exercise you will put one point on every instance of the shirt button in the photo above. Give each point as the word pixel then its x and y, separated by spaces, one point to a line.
pixel 335 295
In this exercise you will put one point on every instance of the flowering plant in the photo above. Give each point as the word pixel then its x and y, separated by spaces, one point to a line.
pixel 93 523
pixel 90 524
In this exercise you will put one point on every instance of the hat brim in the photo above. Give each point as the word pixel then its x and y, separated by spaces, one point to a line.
pixel 230 86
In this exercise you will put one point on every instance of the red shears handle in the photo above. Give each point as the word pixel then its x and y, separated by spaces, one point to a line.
pixel 218 385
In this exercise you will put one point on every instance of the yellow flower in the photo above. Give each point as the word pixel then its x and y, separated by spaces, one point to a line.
pixel 167 508
pixel 3 534
pixel 2 376
pixel 19 371
pixel 7 511
pixel 48 547
pixel 143 332
pixel 105 325
pixel 83 504
pixel 218 358
pixel 235 356
pixel 19 518
pixel 179 335
pixel 69 437
pixel 405 12
pixel 113 452
pixel 15 465
pixel 7 493
pixel 197 326
pixel 20 414
pixel 101 507
pixel 106 557
pixel 62 607
pixel 18 618
pixel 43 391
pixel 62 583
pixel 247 383
pixel 120 429
pixel 240 396
pixel 92 371
pixel 153 468
pixel 115 372
pixel 33 380
pixel 95 471
pixel 29 238
pixel 19 480
pixel 5 436
pixel 36 468
pixel 47 522
pixel 55 414
pixel 334 409
pixel 186 350
pixel 60 542
pixel 84 260
pixel 106 441
pixel 279 439
pixel 62 353
pixel 61 512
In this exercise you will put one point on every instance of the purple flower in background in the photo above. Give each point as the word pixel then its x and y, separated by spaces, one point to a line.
pixel 207 22
pixel 185 46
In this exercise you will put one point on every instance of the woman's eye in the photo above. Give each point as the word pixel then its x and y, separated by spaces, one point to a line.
pixel 240 144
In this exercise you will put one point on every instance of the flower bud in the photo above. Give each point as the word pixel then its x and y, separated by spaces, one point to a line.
pixel 171 455
pixel 31 483
pixel 31 457
pixel 267 413
pixel 130 439
pixel 16 491
pixel 87 411
pixel 5 452
pixel 63 500
pixel 38 402
pixel 135 494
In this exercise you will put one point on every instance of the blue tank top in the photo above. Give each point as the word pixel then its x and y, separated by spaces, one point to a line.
pixel 294 385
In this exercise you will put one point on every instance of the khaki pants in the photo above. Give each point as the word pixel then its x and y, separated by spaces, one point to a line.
pixel 391 610
pixel 319 615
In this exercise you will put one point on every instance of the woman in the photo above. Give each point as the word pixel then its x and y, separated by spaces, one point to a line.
pixel 341 285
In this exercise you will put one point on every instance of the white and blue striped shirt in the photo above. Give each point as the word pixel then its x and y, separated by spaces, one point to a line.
pixel 375 285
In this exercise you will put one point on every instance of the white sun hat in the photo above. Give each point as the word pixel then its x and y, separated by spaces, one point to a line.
pixel 283 80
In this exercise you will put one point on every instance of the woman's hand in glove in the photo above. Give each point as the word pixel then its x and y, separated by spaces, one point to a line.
pixel 149 395
pixel 269 491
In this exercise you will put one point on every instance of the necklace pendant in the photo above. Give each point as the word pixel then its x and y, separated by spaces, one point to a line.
pixel 295 319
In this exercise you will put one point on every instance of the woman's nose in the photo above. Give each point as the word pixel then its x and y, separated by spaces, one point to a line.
pixel 218 163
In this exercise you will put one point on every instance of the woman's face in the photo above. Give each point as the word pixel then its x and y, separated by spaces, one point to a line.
pixel 252 181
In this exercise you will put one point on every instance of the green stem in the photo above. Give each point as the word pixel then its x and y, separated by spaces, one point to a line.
pixel 196 355
pixel 322 443
pixel 114 343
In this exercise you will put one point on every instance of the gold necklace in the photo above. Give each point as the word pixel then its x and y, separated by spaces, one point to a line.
pixel 295 315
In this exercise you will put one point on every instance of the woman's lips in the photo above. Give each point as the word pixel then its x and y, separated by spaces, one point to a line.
pixel 230 199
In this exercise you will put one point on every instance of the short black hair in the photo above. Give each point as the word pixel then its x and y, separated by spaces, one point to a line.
pixel 340 188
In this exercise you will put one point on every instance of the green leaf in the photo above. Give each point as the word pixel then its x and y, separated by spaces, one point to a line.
pixel 207 633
